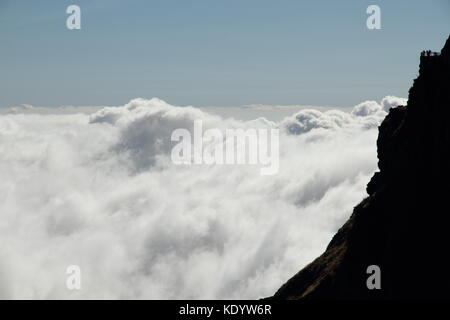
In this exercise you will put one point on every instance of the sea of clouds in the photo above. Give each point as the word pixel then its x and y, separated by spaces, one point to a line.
pixel 98 190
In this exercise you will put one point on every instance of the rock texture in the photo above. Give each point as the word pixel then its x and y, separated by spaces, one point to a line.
pixel 404 224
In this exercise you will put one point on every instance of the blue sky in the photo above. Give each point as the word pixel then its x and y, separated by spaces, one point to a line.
pixel 221 53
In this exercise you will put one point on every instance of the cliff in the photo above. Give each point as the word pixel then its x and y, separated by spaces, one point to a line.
pixel 403 226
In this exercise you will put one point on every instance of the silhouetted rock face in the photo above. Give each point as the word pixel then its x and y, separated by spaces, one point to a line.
pixel 404 224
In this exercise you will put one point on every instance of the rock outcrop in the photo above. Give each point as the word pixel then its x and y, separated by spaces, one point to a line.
pixel 403 226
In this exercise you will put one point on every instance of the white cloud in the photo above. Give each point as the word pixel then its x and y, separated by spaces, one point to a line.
pixel 389 102
pixel 99 191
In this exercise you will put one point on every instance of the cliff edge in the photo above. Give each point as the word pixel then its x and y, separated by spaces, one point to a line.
pixel 403 226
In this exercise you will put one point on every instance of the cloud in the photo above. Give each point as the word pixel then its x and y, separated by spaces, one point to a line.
pixel 30 109
pixel 99 191
pixel 365 115
pixel 366 108
pixel 389 102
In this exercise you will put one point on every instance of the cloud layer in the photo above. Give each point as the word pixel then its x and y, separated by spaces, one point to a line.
pixel 99 191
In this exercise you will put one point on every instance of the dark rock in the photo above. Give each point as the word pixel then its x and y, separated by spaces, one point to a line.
pixel 404 224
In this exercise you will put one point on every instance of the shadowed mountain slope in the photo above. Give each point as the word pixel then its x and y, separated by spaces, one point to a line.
pixel 404 225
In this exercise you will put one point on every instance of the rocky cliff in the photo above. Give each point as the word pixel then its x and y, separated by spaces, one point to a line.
pixel 403 226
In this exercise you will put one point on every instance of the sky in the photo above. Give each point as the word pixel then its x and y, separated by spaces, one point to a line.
pixel 213 53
